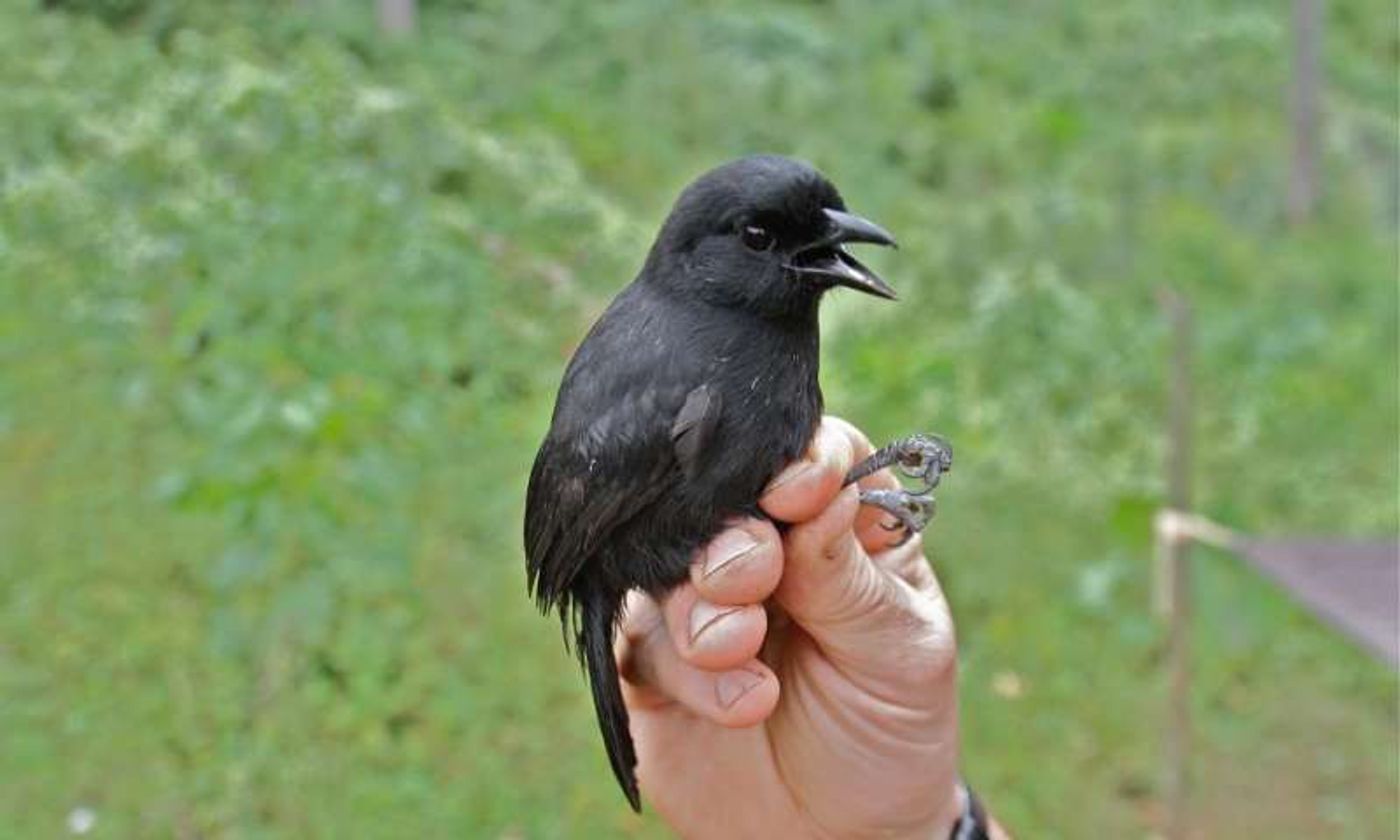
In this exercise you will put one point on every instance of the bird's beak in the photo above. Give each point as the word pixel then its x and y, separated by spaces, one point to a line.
pixel 827 259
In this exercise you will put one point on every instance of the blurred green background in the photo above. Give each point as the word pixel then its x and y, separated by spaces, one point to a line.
pixel 284 301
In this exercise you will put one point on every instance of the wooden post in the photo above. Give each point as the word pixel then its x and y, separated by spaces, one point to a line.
pixel 398 17
pixel 1304 104
pixel 1174 549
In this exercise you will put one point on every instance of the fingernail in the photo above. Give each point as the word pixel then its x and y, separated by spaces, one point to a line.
pixel 703 615
pixel 727 547
pixel 735 684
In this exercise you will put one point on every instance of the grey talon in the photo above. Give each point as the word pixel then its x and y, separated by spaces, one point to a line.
pixel 920 457
pixel 923 457
pixel 912 511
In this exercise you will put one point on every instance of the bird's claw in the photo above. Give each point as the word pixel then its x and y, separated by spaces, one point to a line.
pixel 912 511
pixel 922 457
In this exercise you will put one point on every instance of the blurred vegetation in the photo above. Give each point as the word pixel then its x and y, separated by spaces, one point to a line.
pixel 285 304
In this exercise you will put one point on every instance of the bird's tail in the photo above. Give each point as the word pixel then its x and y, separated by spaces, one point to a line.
pixel 595 645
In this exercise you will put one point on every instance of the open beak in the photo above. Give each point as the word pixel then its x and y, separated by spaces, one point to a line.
pixel 826 258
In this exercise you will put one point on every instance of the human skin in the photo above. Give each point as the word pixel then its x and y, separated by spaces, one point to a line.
pixel 802 684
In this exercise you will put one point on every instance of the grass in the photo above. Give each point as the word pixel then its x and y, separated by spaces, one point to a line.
pixel 286 304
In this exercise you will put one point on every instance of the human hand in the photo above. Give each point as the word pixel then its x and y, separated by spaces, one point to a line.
pixel 862 738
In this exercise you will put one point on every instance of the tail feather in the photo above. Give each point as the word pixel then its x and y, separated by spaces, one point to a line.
pixel 595 646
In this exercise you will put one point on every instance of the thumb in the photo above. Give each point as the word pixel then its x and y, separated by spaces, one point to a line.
pixel 872 624
pixel 827 579
pixel 829 586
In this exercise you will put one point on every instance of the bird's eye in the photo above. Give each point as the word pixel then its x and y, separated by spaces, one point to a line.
pixel 756 238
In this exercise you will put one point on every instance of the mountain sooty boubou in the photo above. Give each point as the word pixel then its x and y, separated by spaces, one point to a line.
pixel 696 387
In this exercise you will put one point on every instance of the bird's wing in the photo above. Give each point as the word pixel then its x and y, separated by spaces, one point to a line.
pixel 594 474
pixel 693 427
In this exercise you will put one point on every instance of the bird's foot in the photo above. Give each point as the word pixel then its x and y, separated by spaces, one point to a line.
pixel 912 511
pixel 922 457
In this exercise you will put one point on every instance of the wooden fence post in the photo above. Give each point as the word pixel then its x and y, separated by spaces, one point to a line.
pixel 1173 547
pixel 1305 95
pixel 398 17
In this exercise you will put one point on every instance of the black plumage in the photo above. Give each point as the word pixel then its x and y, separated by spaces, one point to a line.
pixel 695 387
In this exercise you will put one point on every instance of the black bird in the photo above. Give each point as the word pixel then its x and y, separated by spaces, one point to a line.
pixel 695 387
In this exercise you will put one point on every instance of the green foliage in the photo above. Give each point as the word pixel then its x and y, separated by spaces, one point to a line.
pixel 286 304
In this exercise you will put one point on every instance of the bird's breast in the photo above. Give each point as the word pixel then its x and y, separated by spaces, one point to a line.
pixel 772 405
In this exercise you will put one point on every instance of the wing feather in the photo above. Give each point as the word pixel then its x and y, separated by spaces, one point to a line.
pixel 694 426
pixel 630 423
pixel 584 486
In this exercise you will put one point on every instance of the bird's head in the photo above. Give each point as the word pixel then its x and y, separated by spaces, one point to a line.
pixel 764 233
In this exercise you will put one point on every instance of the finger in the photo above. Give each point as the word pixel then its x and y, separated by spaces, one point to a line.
pixel 827 577
pixel 641 619
pixel 871 622
pixel 878 532
pixel 861 447
pixel 875 529
pixel 654 675
pixel 713 637
pixel 803 489
pixel 740 566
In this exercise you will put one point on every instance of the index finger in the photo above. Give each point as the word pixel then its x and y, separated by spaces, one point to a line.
pixel 805 488
pixel 875 529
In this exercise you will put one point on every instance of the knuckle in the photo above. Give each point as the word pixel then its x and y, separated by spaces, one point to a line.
pixel 860 445
pixel 840 454
pixel 640 618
